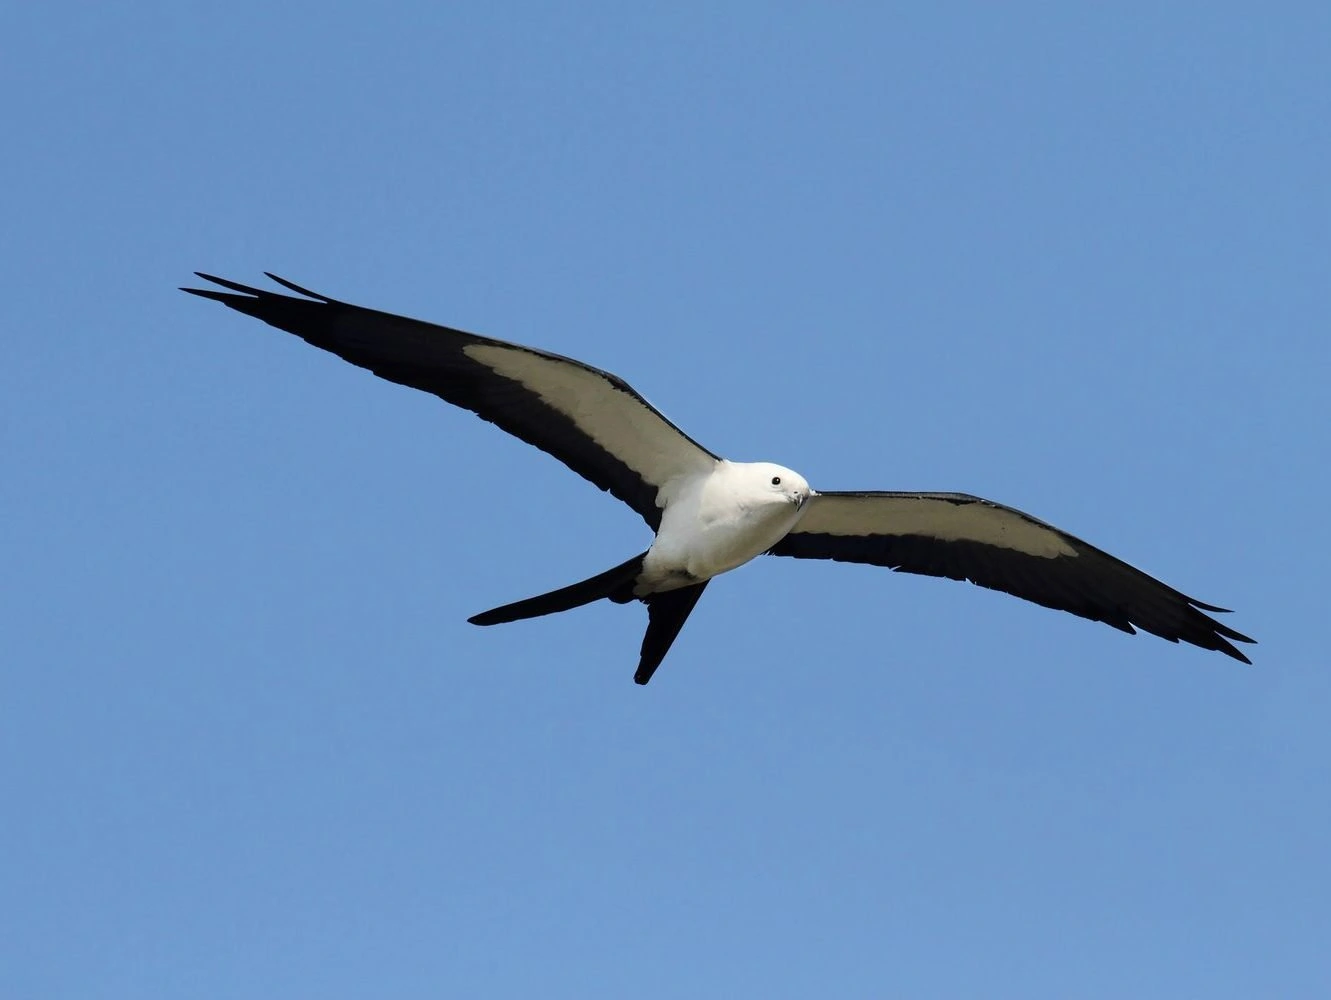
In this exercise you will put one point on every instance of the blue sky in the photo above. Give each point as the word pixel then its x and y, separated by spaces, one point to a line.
pixel 1070 257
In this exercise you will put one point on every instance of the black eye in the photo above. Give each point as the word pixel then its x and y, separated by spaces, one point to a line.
pixel 776 480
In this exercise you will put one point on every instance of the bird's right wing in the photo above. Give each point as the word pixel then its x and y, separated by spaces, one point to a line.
pixel 963 537
pixel 591 420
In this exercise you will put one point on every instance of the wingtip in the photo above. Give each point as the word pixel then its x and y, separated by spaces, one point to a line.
pixel 207 293
pixel 292 286
pixel 1238 654
pixel 257 293
pixel 1229 649
pixel 227 283
pixel 1203 606
pixel 204 292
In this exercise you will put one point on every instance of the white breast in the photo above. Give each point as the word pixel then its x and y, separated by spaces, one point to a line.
pixel 714 523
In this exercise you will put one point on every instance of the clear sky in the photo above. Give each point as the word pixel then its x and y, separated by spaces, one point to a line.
pixel 1070 257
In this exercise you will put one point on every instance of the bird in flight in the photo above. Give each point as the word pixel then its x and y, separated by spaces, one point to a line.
pixel 711 515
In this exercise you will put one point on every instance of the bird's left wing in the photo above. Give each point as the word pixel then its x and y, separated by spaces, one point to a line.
pixel 963 537
pixel 591 420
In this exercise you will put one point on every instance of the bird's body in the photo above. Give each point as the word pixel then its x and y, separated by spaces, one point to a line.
pixel 719 521
pixel 711 515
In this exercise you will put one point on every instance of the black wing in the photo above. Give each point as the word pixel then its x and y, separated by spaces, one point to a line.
pixel 592 421
pixel 966 538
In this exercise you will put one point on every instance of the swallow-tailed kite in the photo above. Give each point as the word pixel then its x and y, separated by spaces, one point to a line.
pixel 711 515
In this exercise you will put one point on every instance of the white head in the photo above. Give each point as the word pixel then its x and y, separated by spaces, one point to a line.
pixel 779 481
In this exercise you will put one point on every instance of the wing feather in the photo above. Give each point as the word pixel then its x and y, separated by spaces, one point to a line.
pixel 963 537
pixel 592 421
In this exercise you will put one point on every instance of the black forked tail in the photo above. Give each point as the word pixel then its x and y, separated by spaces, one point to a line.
pixel 616 584
pixel 666 611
